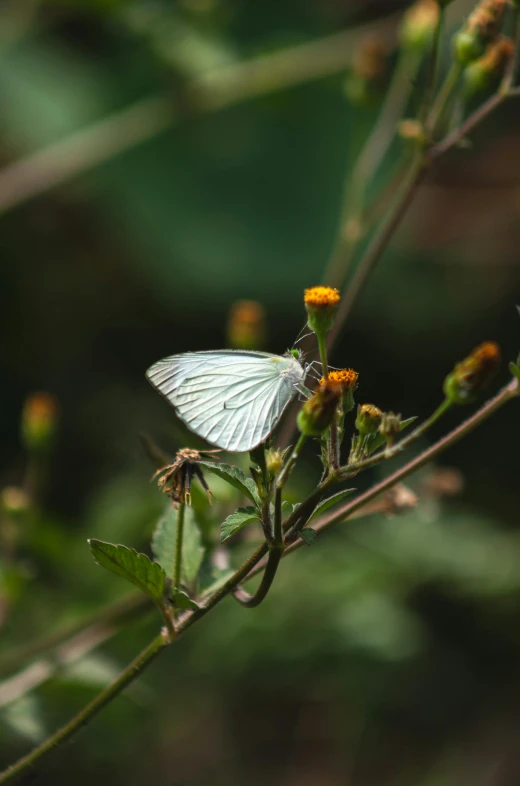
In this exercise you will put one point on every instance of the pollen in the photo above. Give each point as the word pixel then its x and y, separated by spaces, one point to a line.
pixel 346 377
pixel 320 297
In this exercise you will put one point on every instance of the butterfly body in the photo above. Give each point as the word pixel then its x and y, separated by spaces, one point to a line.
pixel 231 398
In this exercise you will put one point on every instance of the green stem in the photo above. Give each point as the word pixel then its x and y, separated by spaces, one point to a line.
pixel 177 558
pixel 351 229
pixel 249 568
pixel 112 616
pixel 382 237
pixel 293 458
pixel 431 80
pixel 441 102
pixel 251 601
pixel 128 675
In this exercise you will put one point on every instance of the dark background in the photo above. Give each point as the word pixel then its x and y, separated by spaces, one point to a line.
pixel 386 654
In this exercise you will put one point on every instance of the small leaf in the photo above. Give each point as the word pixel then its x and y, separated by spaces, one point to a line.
pixel 515 370
pixel 182 601
pixel 235 477
pixel 163 544
pixel 330 501
pixel 133 566
pixel 307 534
pixel 240 518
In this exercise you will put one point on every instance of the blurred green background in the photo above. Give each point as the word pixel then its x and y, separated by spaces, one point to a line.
pixel 388 652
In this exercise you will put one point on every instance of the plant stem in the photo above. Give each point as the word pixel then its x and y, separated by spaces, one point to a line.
pixel 441 103
pixel 128 675
pixel 405 195
pixel 431 80
pixel 249 568
pixel 177 558
pixel 293 458
pixel 374 150
pixel 251 601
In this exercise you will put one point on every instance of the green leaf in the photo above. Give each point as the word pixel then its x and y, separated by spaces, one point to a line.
pixel 240 518
pixel 378 439
pixel 307 534
pixel 163 544
pixel 24 717
pixel 235 477
pixel 330 501
pixel 182 601
pixel 135 567
pixel 514 368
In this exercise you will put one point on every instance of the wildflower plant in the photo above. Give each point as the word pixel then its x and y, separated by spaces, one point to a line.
pixel 181 576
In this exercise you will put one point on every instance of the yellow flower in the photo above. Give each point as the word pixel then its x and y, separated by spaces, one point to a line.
pixel 39 420
pixel 321 297
pixel 346 377
pixel 319 410
pixel 321 304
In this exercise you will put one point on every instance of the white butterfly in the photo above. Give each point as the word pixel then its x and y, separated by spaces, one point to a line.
pixel 231 398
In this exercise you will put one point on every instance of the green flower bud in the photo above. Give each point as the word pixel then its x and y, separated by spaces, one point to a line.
pixel 368 419
pixel 390 426
pixel 472 374
pixel 364 84
pixel 481 29
pixel 39 421
pixel 274 461
pixel 489 69
pixel 418 24
pixel 319 411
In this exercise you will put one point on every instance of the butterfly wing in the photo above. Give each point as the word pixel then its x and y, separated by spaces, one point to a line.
pixel 232 399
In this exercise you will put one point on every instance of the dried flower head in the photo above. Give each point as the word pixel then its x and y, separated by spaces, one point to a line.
pixel 472 374
pixel 175 479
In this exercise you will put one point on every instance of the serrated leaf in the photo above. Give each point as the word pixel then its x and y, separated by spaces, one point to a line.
pixel 330 501
pixel 235 477
pixel 378 439
pixel 182 601
pixel 163 544
pixel 240 518
pixel 133 566
pixel 307 534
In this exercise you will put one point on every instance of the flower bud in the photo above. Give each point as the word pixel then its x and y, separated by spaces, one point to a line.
pixel 472 374
pixel 481 29
pixel 39 421
pixel 368 419
pixel 273 461
pixel 369 67
pixel 319 410
pixel 489 69
pixel 321 304
pixel 246 325
pixel 418 24
pixel 14 501
pixel 390 426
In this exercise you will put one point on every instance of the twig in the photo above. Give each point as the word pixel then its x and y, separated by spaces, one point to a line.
pixel 62 161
